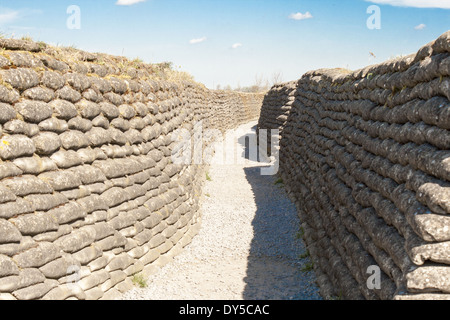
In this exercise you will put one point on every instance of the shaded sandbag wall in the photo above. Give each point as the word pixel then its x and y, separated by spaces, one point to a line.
pixel 277 104
pixel 89 194
pixel 365 157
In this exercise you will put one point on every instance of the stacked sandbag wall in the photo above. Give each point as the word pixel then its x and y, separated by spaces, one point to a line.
pixel 277 104
pixel 90 195
pixel 365 156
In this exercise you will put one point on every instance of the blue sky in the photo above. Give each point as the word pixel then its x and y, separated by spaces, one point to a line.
pixel 236 41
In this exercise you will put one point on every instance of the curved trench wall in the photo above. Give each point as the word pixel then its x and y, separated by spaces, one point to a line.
pixel 365 157
pixel 89 195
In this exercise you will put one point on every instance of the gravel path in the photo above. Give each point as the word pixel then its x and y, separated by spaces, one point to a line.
pixel 247 248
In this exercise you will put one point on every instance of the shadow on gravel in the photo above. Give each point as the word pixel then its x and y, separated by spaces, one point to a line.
pixel 276 267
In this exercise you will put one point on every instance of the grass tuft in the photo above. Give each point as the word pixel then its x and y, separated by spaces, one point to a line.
pixel 279 181
pixel 26 38
pixel 300 233
pixel 139 280
pixel 304 255
pixel 307 267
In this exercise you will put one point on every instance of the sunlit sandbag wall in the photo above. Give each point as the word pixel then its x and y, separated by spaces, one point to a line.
pixel 89 194
pixel 365 157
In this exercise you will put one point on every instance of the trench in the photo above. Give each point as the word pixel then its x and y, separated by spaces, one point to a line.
pixel 248 246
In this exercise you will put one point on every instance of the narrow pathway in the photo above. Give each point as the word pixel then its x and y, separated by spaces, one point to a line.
pixel 247 249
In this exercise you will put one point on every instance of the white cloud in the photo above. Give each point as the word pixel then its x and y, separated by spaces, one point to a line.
pixel 8 16
pixel 444 4
pixel 300 16
pixel 128 2
pixel 198 40
pixel 236 45
pixel 420 26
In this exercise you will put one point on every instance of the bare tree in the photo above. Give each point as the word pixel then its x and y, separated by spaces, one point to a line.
pixel 277 77
pixel 259 79
pixel 261 84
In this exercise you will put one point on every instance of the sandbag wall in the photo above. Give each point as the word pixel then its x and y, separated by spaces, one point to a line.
pixel 252 106
pixel 230 109
pixel 89 194
pixel 277 104
pixel 365 157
